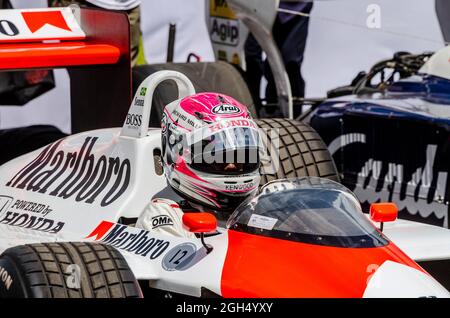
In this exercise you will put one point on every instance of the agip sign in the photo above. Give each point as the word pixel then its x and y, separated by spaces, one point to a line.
pixel 227 33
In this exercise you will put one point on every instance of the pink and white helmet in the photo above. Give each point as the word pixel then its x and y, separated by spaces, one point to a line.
pixel 210 150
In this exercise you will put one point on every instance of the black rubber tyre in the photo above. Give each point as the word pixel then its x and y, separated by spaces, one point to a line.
pixel 301 151
pixel 15 142
pixel 219 77
pixel 66 270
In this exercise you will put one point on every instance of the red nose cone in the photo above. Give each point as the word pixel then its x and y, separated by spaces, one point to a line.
pixel 257 266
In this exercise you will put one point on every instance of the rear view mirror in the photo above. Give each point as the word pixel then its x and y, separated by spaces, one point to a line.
pixel 199 222
pixel 202 223
pixel 383 212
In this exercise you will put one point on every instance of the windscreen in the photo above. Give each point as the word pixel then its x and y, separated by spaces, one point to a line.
pixel 309 210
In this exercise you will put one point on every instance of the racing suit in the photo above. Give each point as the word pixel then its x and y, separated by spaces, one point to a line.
pixel 163 216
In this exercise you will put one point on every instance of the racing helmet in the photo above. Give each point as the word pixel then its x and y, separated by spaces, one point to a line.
pixel 210 150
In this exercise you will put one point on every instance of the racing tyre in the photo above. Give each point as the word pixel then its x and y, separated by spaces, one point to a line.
pixel 66 270
pixel 15 142
pixel 301 152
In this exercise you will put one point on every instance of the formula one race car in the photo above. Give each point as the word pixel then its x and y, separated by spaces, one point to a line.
pixel 66 215
pixel 389 134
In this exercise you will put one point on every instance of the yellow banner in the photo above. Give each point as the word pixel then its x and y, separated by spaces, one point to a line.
pixel 220 8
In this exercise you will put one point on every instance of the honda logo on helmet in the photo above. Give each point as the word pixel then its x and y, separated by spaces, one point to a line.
pixel 226 109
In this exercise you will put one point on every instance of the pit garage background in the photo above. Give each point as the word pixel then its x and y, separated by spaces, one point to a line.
pixel 345 37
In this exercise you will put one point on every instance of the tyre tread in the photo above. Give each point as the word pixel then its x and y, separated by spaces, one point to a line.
pixel 302 152
pixel 104 271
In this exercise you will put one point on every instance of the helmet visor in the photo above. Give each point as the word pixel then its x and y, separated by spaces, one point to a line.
pixel 226 150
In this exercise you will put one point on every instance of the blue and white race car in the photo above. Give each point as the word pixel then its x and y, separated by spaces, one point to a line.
pixel 389 134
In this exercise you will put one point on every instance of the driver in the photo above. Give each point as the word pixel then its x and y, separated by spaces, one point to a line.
pixel 210 156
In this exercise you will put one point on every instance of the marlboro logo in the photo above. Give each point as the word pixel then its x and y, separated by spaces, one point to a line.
pixel 138 242
pixel 35 20
pixel 78 175
pixel 30 25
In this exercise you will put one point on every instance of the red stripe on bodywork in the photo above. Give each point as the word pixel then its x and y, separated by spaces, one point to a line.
pixel 101 230
pixel 35 20
pixel 257 266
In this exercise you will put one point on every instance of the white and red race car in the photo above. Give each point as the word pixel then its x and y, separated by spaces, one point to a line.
pixel 65 229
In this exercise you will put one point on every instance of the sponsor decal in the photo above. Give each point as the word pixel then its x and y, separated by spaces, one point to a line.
pixel 232 123
pixel 192 123
pixel 143 91
pixel 128 239
pixel 225 109
pixel 5 278
pixel 180 257
pixel 183 118
pixel 8 28
pixel 345 140
pixel 31 215
pixel 32 222
pixel 419 190
pixel 138 102
pixel 38 25
pixel 224 25
pixel 239 187
pixel 224 31
pixel 134 120
pixel 178 115
pixel 79 175
pixel 32 207
pixel 161 220
pixel 36 20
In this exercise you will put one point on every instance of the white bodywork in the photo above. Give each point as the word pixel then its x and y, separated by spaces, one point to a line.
pixel 422 242
pixel 438 64
pixel 32 25
pixel 392 278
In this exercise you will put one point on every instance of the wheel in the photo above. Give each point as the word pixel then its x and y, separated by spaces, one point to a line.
pixel 219 77
pixel 301 152
pixel 66 270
